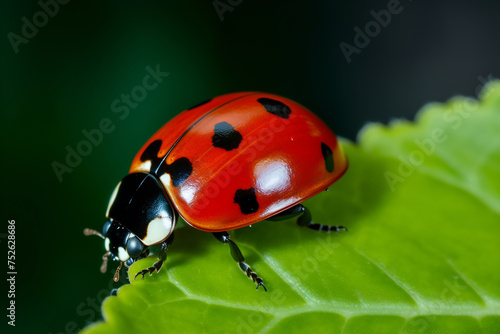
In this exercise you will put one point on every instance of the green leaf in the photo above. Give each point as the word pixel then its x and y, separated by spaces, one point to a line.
pixel 422 255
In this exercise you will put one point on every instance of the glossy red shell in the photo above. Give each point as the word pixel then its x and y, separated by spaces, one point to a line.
pixel 280 158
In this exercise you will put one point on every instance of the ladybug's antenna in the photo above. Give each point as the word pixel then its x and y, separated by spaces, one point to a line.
pixel 117 273
pixel 105 262
pixel 89 231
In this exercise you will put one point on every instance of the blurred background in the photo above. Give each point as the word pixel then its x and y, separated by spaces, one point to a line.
pixel 70 67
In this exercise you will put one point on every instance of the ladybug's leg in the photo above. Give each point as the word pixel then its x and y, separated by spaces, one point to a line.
pixel 304 219
pixel 238 257
pixel 162 257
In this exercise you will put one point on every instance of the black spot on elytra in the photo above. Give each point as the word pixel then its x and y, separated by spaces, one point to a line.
pixel 328 156
pixel 275 107
pixel 151 153
pixel 226 137
pixel 247 200
pixel 200 104
pixel 179 170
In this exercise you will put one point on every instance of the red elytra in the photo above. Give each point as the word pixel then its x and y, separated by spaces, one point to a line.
pixel 272 150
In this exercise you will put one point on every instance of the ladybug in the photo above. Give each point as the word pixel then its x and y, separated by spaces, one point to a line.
pixel 223 164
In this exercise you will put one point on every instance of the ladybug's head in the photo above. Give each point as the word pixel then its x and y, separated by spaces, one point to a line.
pixel 139 215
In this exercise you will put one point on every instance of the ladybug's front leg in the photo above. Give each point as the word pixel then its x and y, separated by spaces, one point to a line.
pixel 238 257
pixel 162 257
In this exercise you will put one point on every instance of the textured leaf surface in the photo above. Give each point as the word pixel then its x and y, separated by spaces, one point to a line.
pixel 422 254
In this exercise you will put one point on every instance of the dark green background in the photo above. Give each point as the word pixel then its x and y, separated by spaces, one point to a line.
pixel 64 80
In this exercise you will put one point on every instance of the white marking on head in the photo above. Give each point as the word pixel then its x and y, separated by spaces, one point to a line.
pixel 113 197
pixel 106 244
pixel 158 229
pixel 122 254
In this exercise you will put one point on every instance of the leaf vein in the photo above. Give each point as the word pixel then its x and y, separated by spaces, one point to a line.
pixel 405 289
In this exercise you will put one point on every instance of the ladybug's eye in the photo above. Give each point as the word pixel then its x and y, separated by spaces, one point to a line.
pixel 106 226
pixel 134 247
